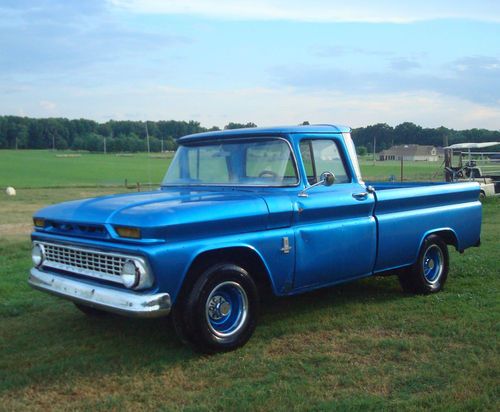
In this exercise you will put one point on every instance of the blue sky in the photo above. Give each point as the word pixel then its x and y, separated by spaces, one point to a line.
pixel 271 62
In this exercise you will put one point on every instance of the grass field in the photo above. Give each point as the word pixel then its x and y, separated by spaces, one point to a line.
pixel 362 346
pixel 358 346
pixel 417 171
pixel 43 168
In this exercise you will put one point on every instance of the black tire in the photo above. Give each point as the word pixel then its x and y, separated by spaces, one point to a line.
pixel 219 312
pixel 429 273
pixel 90 311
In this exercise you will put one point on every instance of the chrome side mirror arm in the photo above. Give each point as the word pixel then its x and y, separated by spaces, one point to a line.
pixel 326 179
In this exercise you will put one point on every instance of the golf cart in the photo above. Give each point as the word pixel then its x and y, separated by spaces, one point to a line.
pixel 464 162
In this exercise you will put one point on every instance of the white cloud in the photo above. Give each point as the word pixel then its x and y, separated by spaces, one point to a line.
pixel 263 106
pixel 266 107
pixel 47 105
pixel 393 11
pixel 475 78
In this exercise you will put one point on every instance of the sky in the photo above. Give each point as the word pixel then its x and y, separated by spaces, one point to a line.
pixel 269 62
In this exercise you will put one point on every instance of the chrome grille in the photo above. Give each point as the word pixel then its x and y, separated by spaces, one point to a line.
pixel 106 266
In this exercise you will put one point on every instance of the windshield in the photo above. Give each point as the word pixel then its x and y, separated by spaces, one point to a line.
pixel 263 162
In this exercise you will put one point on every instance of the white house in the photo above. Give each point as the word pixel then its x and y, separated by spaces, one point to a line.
pixel 412 152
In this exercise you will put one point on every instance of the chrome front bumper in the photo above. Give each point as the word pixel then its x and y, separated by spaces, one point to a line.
pixel 123 302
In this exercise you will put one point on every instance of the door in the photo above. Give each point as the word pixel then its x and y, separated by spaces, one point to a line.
pixel 335 231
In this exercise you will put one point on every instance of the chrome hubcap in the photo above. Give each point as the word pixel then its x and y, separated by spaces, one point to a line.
pixel 226 309
pixel 433 263
pixel 218 307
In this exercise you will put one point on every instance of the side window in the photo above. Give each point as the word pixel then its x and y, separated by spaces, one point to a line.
pixel 322 156
pixel 270 160
pixel 306 152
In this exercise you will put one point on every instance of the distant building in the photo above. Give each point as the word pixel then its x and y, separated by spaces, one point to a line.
pixel 412 152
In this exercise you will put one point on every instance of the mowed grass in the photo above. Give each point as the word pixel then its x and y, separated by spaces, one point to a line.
pixel 43 168
pixel 360 346
pixel 391 169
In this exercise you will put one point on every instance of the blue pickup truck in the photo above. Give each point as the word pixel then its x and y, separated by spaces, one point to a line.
pixel 241 213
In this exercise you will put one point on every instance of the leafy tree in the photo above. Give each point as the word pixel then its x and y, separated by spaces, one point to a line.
pixel 232 125
pixel 361 150
pixel 84 134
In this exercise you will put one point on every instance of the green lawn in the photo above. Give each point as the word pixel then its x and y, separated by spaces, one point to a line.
pixel 361 346
pixel 411 170
pixel 43 168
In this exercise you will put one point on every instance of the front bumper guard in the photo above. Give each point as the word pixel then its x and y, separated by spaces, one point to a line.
pixel 122 302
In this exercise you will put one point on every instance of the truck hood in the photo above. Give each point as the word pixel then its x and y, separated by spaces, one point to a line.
pixel 168 213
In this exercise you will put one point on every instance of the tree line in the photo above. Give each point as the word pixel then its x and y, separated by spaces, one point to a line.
pixel 384 136
pixel 131 136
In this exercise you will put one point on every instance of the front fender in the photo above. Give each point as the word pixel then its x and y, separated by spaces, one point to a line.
pixel 171 262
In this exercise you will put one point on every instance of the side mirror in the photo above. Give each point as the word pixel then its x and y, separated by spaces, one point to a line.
pixel 328 178
pixel 325 179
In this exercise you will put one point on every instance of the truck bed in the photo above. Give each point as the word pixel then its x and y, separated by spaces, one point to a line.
pixel 407 212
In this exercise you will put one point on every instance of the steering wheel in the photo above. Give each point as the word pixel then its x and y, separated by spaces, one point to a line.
pixel 268 173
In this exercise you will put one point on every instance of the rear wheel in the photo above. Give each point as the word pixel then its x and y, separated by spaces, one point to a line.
pixel 430 271
pixel 219 312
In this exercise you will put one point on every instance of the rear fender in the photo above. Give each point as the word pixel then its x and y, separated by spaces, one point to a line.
pixel 448 235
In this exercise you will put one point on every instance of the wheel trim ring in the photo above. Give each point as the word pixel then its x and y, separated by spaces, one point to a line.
pixel 241 306
pixel 432 264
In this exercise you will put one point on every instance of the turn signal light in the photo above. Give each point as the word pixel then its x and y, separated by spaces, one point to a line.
pixel 130 232
pixel 38 222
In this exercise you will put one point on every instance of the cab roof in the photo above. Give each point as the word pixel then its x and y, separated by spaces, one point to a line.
pixel 259 131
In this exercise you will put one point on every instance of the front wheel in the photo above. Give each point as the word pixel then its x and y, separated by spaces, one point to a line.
pixel 220 311
pixel 430 271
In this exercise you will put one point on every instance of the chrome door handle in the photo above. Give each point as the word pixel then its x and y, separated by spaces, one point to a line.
pixel 360 196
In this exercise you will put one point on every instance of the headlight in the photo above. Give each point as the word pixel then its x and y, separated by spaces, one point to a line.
pixel 37 254
pixel 134 275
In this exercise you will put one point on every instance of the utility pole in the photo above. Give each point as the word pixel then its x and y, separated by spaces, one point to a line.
pixel 53 143
pixel 104 144
pixel 374 147
pixel 402 162
pixel 162 144
pixel 147 135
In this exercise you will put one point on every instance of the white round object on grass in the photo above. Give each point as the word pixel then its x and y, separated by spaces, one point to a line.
pixel 10 191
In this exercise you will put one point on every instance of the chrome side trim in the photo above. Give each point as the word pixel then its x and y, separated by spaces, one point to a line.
pixel 106 298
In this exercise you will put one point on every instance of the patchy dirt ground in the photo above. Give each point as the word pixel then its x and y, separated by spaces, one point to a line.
pixel 15 229
pixel 16 211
